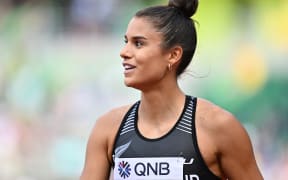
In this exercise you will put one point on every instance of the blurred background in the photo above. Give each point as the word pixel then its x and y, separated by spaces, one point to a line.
pixel 60 69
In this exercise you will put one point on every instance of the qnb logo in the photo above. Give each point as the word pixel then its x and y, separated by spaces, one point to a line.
pixel 158 169
pixel 124 169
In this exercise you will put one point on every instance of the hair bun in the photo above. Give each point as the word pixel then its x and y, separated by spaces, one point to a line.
pixel 188 7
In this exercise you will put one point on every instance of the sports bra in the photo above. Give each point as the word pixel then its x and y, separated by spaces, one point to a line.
pixel 174 156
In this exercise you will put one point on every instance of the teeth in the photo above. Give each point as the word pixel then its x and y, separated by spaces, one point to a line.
pixel 127 67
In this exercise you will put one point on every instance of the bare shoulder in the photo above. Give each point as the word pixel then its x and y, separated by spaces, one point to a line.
pixel 230 141
pixel 100 144
pixel 106 127
pixel 213 116
pixel 220 124
pixel 109 122
pixel 113 117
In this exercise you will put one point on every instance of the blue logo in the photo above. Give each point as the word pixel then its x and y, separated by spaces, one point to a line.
pixel 124 169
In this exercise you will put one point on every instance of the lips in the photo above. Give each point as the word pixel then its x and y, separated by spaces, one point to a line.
pixel 128 69
pixel 128 66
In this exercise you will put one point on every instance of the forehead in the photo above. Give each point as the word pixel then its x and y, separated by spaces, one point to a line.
pixel 139 26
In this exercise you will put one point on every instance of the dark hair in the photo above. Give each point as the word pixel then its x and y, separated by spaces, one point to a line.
pixel 175 23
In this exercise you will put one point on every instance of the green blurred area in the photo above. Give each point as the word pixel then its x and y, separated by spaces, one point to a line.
pixel 60 69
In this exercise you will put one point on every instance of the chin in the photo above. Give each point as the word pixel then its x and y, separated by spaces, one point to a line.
pixel 128 83
pixel 132 84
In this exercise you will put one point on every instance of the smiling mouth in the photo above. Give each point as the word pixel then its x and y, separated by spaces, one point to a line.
pixel 128 67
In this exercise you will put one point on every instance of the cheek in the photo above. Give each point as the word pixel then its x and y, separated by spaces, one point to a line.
pixel 153 66
pixel 151 58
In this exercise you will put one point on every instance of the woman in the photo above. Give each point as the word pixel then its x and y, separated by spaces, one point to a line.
pixel 167 134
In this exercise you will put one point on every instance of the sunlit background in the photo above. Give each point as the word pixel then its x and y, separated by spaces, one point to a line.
pixel 60 69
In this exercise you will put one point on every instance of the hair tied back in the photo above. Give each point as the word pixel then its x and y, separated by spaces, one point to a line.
pixel 188 7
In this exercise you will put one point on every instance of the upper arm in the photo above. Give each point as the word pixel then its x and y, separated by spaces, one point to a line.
pixel 97 164
pixel 100 145
pixel 237 158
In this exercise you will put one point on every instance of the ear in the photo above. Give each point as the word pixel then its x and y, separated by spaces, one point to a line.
pixel 175 55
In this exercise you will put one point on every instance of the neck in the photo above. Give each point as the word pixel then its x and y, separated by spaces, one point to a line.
pixel 157 106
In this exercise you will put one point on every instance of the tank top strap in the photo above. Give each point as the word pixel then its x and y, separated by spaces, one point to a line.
pixel 127 124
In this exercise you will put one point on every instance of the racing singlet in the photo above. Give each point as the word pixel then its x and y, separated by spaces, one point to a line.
pixel 174 156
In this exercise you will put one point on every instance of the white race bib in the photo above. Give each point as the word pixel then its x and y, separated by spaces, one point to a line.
pixel 170 168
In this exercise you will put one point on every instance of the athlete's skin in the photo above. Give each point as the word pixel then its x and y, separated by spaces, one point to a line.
pixel 223 142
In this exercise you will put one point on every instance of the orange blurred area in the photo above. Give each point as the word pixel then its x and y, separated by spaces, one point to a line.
pixel 249 69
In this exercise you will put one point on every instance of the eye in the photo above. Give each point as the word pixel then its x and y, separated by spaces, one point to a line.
pixel 138 44
pixel 125 41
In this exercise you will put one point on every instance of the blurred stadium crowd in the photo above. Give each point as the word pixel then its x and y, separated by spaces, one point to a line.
pixel 60 69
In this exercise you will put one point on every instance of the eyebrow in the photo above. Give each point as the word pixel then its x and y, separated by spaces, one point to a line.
pixel 136 37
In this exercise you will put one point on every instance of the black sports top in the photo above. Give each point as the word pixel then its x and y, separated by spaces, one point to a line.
pixel 174 156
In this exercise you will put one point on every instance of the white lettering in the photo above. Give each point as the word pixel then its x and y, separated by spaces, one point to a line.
pixel 191 161
pixel 191 177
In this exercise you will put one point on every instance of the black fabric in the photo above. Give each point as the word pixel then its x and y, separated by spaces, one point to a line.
pixel 180 141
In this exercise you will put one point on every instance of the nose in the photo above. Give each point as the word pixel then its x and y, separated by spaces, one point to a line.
pixel 124 53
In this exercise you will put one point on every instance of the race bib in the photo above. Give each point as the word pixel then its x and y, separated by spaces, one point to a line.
pixel 149 168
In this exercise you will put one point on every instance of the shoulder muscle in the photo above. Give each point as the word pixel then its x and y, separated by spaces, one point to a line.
pixel 232 142
pixel 100 144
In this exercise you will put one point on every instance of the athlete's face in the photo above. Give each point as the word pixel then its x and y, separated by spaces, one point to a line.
pixel 144 60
